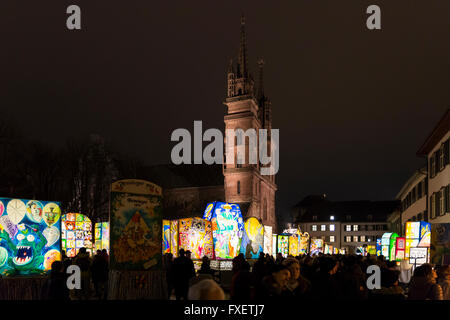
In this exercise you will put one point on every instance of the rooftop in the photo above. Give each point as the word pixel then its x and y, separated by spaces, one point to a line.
pixel 436 135
pixel 360 210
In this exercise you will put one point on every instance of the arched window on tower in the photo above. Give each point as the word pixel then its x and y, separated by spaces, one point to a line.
pixel 238 187
pixel 239 137
pixel 265 210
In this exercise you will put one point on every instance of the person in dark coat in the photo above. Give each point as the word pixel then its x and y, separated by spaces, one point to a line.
pixel 206 268
pixel 298 286
pixel 352 281
pixel 241 283
pixel 325 285
pixel 99 271
pixel 390 290
pixel 183 271
pixel 259 269
pixel 423 285
pixel 274 284
pixel 55 287
pixel 168 268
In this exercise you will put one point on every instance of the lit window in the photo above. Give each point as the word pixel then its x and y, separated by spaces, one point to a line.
pixel 355 227
pixel 331 227
pixel 314 227
pixel 332 218
pixel 348 239
pixel 348 228
pixel 323 227
pixel 355 238
pixel 331 238
pixel 363 239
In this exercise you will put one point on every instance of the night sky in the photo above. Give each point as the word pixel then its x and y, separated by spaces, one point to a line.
pixel 353 106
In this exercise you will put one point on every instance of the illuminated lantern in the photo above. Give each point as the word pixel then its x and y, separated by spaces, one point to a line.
pixel 252 243
pixel 76 233
pixel 268 240
pixel 304 243
pixel 227 228
pixel 195 235
pixel 29 236
pixel 166 236
pixel 316 246
pixel 102 236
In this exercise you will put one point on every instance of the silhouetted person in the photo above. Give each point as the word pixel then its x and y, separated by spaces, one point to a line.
pixel 390 290
pixel 241 282
pixel 274 284
pixel 259 269
pixel 83 260
pixel 324 285
pixel 423 284
pixel 55 287
pixel 65 260
pixel 100 271
pixel 279 258
pixel 206 268
pixel 168 268
pixel 352 281
pixel 183 270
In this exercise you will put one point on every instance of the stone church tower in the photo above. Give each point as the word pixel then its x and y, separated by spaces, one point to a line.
pixel 248 108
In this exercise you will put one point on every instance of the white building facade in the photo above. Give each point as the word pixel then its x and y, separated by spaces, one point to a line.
pixel 436 150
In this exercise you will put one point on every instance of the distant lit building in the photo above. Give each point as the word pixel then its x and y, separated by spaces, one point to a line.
pixel 344 224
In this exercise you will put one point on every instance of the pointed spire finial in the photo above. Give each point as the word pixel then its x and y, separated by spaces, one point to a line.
pixel 261 78
pixel 243 70
pixel 230 66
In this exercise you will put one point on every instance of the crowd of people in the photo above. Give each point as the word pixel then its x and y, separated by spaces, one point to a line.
pixel 94 277
pixel 321 277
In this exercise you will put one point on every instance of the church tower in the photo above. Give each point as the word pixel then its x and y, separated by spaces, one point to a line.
pixel 248 108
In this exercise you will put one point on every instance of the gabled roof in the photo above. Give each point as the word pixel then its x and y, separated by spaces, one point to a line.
pixel 436 135
pixel 415 178
pixel 358 210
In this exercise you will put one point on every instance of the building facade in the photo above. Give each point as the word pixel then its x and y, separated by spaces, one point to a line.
pixel 248 108
pixel 344 224
pixel 413 198
pixel 436 150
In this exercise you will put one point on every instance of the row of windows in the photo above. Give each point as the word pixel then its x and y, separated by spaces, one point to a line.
pixel 439 159
pixel 419 191
pixel 439 202
pixel 349 227
pixel 323 227
pixel 366 227
pixel 360 239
